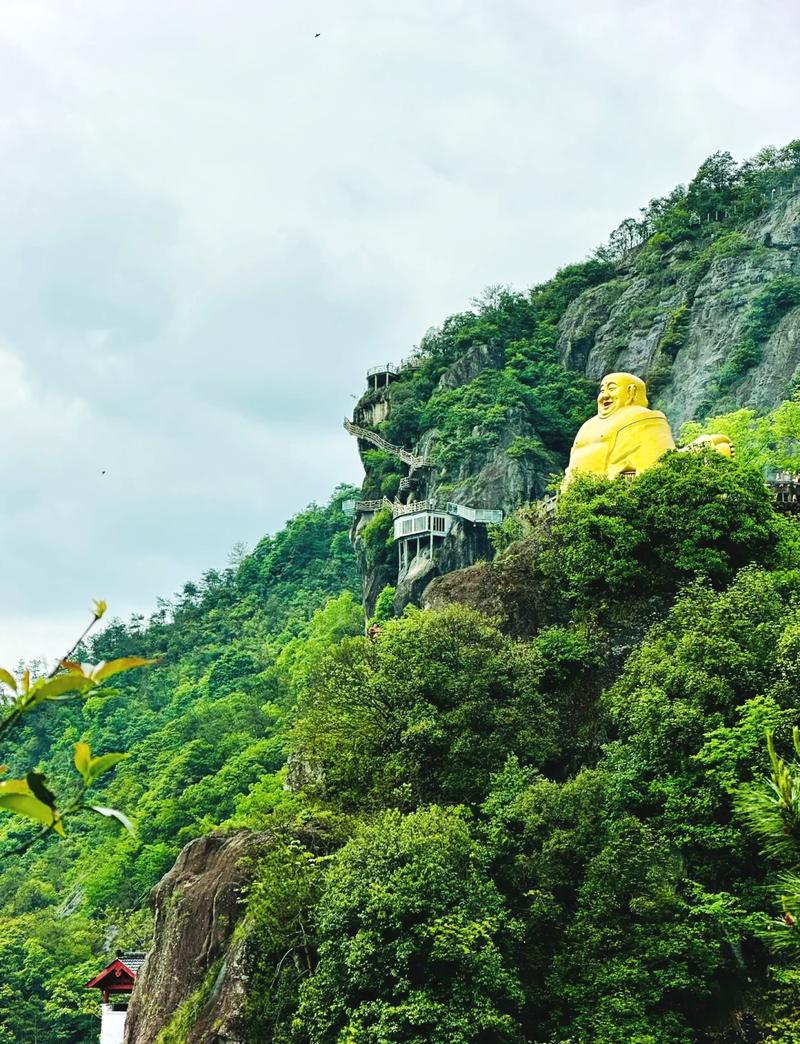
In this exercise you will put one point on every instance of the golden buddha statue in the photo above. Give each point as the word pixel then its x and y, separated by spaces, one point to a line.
pixel 626 436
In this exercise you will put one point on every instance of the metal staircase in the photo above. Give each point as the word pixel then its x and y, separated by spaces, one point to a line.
pixel 412 459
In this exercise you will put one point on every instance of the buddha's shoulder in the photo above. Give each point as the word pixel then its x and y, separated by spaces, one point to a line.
pixel 639 414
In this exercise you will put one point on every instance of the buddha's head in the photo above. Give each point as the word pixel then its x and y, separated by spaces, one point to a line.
pixel 618 390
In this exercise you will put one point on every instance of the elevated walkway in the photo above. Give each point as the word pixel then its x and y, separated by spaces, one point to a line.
pixel 471 514
pixel 411 459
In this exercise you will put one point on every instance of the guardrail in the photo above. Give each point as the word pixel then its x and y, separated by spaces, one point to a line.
pixel 411 362
pixel 493 515
pixel 378 441
pixel 383 368
pixel 414 507
pixel 471 514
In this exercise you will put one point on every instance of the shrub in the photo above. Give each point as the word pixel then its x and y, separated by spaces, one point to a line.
pixel 413 939
pixel 427 711
pixel 675 331
pixel 694 515
pixel 378 536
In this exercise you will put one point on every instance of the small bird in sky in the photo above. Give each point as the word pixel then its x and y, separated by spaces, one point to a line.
pixel 316 35
pixel 102 472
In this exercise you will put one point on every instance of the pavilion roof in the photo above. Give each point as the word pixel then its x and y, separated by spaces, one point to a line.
pixel 118 976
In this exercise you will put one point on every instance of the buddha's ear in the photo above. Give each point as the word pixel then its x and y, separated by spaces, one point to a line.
pixel 630 394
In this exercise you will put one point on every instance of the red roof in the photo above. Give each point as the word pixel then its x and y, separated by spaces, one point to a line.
pixel 117 977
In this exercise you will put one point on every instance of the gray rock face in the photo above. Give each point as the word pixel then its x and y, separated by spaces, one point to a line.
pixel 781 222
pixel 494 479
pixel 372 409
pixel 619 326
pixel 474 360
pixel 196 905
pixel 717 319
pixel 584 318
pixel 414 580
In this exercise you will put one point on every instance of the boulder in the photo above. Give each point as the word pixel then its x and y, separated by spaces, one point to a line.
pixel 194 959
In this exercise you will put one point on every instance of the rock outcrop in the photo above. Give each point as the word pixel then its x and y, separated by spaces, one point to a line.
pixel 621 325
pixel 194 961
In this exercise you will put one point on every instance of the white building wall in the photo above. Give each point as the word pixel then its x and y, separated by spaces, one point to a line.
pixel 112 1025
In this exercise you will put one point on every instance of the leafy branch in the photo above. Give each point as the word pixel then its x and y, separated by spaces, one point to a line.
pixel 772 811
pixel 31 796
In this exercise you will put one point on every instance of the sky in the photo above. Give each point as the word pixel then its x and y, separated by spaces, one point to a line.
pixel 213 220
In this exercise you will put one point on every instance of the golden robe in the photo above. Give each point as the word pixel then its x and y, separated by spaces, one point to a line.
pixel 633 438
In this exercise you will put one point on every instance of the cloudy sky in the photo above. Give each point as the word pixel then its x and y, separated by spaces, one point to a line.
pixel 213 221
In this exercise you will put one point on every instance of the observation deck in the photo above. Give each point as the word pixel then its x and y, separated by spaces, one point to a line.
pixel 383 374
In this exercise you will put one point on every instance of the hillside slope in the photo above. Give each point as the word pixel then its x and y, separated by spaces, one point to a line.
pixel 203 728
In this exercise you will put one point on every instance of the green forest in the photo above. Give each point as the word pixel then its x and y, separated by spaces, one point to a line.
pixel 570 814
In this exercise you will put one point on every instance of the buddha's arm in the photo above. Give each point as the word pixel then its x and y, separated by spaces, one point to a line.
pixel 587 454
pixel 640 444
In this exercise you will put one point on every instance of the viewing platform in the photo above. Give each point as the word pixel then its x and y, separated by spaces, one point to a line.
pixel 383 374
pixel 421 525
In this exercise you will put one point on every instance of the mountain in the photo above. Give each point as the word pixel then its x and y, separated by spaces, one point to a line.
pixel 511 816
pixel 700 296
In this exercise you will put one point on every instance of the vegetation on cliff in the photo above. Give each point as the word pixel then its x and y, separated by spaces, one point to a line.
pixel 582 783
pixel 552 820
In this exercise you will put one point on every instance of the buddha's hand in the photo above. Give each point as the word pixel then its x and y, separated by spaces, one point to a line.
pixel 719 443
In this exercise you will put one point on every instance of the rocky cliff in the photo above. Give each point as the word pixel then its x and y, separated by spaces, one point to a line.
pixel 677 325
pixel 191 986
pixel 497 471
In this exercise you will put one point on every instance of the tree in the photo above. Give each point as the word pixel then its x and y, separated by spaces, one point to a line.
pixel 413 940
pixel 429 709
pixel 695 515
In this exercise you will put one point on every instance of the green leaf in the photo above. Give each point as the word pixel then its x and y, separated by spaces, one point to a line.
pixel 98 766
pixel 63 686
pixel 125 663
pixel 115 813
pixel 29 806
pixel 83 756
pixel 8 679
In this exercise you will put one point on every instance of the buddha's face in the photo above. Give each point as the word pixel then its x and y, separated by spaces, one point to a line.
pixel 613 394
